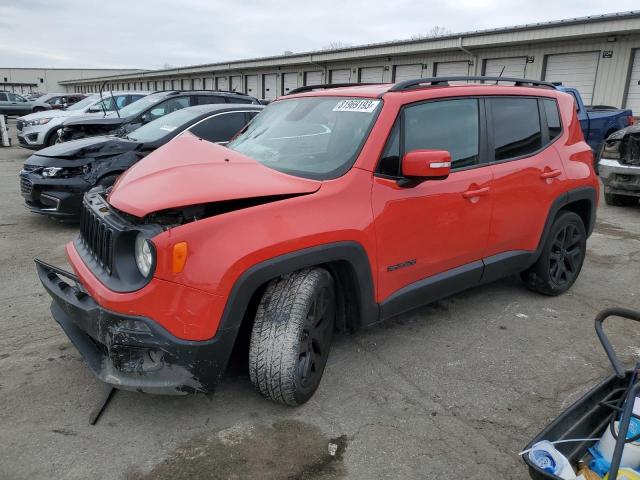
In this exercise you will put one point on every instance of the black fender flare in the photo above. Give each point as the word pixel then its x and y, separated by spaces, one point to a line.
pixel 581 193
pixel 253 278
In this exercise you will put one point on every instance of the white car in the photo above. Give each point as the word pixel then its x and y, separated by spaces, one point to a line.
pixel 38 130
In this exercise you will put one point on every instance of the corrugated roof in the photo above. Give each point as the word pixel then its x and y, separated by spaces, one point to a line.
pixel 529 26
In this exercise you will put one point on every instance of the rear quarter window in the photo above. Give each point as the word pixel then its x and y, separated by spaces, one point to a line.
pixel 553 118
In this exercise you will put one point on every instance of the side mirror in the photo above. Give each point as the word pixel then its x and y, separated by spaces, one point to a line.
pixel 146 118
pixel 419 165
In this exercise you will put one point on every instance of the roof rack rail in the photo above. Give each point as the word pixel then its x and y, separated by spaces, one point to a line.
pixel 444 81
pixel 324 86
pixel 176 91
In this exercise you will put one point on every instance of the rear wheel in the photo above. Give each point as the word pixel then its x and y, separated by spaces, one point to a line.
pixel 292 335
pixel 562 257
pixel 618 200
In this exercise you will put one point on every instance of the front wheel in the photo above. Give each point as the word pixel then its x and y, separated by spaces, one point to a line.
pixel 291 336
pixel 562 257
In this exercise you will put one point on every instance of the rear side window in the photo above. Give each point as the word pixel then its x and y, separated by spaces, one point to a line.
pixel 209 99
pixel 221 128
pixel 553 118
pixel 3 97
pixel 516 127
pixel 239 100
pixel 451 125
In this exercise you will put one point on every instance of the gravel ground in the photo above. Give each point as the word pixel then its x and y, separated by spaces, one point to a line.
pixel 452 390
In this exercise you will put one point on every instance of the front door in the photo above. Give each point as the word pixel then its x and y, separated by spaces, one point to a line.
pixel 437 225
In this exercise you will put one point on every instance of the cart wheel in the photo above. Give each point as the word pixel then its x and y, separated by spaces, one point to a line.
pixel 561 259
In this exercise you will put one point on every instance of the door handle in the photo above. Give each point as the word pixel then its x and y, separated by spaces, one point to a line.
pixel 550 174
pixel 475 192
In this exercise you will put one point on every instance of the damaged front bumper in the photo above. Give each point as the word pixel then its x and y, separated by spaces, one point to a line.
pixel 620 178
pixel 132 352
pixel 56 197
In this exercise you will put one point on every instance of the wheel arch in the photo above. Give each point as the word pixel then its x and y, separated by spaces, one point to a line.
pixel 581 201
pixel 348 264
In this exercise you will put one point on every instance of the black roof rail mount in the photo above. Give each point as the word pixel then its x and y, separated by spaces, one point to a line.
pixel 444 81
pixel 325 86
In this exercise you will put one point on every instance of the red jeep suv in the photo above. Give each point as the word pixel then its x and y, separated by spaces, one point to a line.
pixel 335 208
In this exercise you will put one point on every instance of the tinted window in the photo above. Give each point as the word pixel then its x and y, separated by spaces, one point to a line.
pixel 169 106
pixel 553 118
pixel 221 127
pixel 450 125
pixel 390 160
pixel 240 100
pixel 16 98
pixel 3 97
pixel 516 127
pixel 208 99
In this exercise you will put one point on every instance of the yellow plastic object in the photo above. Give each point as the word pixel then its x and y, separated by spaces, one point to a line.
pixel 626 474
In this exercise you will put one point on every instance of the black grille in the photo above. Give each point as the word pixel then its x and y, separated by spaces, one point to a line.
pixel 19 125
pixel 26 187
pixel 97 236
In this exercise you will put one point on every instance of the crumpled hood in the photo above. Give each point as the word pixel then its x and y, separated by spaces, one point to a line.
pixel 91 147
pixel 189 171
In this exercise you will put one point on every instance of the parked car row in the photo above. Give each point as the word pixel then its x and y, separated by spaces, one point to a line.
pixel 332 209
pixel 14 104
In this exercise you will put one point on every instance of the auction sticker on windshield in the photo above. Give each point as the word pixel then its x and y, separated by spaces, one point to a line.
pixel 352 105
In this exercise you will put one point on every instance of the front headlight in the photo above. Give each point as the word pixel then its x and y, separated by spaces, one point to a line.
pixel 144 255
pixel 51 171
pixel 40 121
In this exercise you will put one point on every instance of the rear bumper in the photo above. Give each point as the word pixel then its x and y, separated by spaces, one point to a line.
pixel 133 352
pixel 56 197
pixel 619 178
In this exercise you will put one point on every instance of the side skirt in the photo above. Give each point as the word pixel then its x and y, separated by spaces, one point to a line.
pixel 454 281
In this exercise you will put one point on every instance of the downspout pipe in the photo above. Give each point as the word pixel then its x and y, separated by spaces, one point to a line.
pixel 473 56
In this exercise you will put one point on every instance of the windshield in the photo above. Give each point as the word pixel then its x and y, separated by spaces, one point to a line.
pixel 140 105
pixel 313 137
pixel 163 126
pixel 82 104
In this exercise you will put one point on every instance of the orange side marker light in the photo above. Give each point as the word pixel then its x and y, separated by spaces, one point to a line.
pixel 179 256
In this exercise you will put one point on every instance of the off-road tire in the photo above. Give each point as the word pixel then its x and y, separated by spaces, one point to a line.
pixel 296 315
pixel 562 257
pixel 617 200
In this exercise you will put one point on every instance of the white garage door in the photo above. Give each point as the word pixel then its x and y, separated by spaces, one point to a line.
pixel 313 78
pixel 289 82
pixel 371 75
pixel 236 83
pixel 633 92
pixel 576 70
pixel 506 67
pixel 407 72
pixel 452 69
pixel 208 83
pixel 197 83
pixel 222 83
pixel 269 85
pixel 340 76
pixel 251 81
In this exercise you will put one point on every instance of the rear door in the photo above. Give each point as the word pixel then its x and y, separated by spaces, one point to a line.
pixel 527 171
pixel 5 106
pixel 437 225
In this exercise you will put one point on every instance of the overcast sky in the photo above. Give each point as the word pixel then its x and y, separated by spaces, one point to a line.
pixel 152 33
